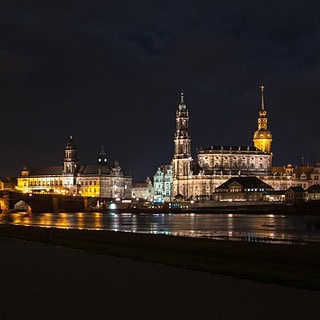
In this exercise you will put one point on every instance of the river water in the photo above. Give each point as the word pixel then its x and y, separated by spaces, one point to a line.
pixel 255 228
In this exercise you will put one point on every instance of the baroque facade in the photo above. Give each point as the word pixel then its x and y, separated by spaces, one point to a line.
pixel 199 177
pixel 142 190
pixel 73 178
pixel 162 183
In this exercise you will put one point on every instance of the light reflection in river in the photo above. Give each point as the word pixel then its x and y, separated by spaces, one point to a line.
pixel 257 228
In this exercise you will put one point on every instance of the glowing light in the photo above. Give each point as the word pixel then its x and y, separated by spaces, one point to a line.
pixel 112 206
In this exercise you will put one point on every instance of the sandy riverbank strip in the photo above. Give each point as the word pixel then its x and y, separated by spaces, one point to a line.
pixel 40 281
pixel 292 265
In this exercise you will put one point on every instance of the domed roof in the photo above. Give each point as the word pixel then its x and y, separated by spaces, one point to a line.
pixel 262 134
pixel 71 144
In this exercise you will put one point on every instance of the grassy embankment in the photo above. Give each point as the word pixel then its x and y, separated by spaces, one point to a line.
pixel 291 265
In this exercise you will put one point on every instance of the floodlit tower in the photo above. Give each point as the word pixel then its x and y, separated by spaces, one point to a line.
pixel 182 150
pixel 262 138
pixel 70 163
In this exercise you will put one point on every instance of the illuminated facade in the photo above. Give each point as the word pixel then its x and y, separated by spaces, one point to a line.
pixel 162 183
pixel 142 190
pixel 8 183
pixel 216 164
pixel 199 177
pixel 73 178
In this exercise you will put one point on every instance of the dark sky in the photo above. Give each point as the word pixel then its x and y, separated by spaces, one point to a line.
pixel 110 73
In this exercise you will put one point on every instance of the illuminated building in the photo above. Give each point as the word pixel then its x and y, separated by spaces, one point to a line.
pixel 242 189
pixel 73 178
pixel 295 196
pixel 284 177
pixel 216 164
pixel 162 183
pixel 142 190
pixel 8 183
pixel 198 178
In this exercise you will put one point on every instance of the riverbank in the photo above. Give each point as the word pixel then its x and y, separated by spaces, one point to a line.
pixel 42 281
pixel 294 265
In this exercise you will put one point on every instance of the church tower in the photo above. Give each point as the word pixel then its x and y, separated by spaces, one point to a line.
pixel 102 158
pixel 70 162
pixel 262 138
pixel 182 151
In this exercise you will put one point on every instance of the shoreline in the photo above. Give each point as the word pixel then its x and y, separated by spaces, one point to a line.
pixel 250 209
pixel 295 265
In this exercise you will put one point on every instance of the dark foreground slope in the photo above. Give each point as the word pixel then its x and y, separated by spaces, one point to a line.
pixel 293 265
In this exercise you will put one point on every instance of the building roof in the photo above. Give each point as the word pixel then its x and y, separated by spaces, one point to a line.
pixel 246 183
pixel 8 179
pixel 297 170
pixel 140 185
pixel 231 149
pixel 297 189
pixel 165 167
pixel 94 169
pixel 84 170
pixel 45 171
pixel 314 189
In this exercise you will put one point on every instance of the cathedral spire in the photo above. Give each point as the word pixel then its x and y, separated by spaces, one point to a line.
pixel 182 106
pixel 262 111
pixel 262 138
pixel 262 97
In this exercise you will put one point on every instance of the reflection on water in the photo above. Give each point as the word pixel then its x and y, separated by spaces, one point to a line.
pixel 257 228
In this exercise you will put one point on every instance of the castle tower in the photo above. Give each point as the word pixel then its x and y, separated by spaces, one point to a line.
pixel 70 162
pixel 182 150
pixel 102 158
pixel 262 138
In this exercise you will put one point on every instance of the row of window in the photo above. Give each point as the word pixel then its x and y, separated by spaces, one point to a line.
pixel 90 190
pixel 90 183
pixel 45 183
pixel 234 158
pixel 235 166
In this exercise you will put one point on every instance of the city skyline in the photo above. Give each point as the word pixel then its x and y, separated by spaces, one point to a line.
pixel 111 75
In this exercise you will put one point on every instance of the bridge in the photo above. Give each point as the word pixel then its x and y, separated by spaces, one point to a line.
pixel 43 202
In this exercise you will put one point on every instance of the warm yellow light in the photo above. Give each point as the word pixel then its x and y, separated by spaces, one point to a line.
pixel 263 144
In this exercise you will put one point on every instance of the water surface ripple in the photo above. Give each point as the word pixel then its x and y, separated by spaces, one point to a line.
pixel 256 228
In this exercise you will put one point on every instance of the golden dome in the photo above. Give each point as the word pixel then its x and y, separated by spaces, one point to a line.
pixel 262 134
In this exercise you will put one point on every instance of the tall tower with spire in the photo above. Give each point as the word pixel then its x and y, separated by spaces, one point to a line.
pixel 262 138
pixel 70 162
pixel 182 150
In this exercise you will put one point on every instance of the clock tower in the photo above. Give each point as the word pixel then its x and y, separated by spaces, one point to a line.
pixel 262 138
pixel 182 159
pixel 70 163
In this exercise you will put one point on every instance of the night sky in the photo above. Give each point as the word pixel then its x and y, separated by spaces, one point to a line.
pixel 110 73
